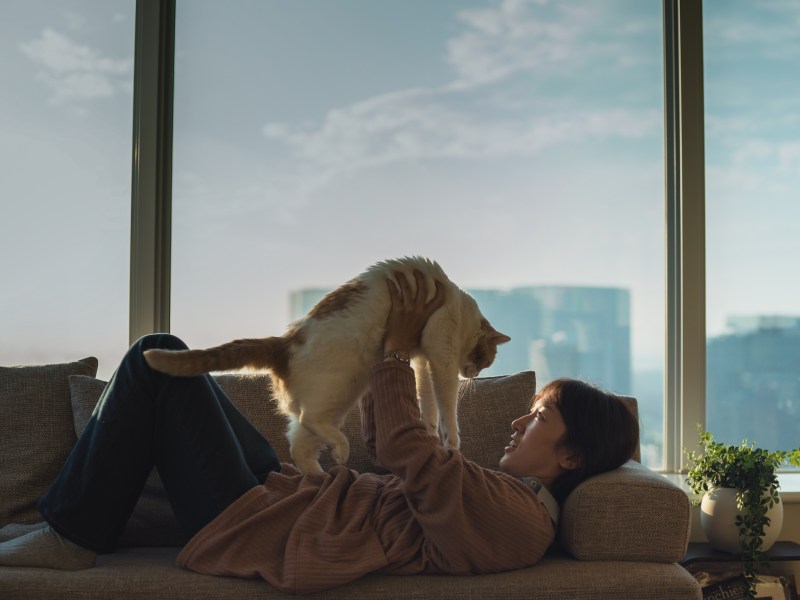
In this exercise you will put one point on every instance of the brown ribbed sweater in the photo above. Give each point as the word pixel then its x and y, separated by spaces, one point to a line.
pixel 436 513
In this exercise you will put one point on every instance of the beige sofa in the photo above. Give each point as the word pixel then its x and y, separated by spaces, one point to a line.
pixel 620 537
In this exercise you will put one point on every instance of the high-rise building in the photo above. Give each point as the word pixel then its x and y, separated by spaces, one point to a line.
pixel 753 384
pixel 563 331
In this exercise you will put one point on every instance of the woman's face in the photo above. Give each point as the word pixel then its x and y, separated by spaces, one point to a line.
pixel 535 449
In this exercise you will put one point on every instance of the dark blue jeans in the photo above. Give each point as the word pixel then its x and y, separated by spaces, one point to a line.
pixel 205 450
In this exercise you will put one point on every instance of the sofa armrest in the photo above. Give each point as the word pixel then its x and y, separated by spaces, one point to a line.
pixel 631 513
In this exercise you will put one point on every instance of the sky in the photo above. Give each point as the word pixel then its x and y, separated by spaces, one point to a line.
pixel 456 138
pixel 516 142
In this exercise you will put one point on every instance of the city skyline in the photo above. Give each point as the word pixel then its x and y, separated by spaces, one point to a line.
pixel 753 363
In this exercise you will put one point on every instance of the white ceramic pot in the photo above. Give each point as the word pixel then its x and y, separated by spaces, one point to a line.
pixel 718 513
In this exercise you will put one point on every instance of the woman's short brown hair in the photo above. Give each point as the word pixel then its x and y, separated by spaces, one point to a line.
pixel 601 429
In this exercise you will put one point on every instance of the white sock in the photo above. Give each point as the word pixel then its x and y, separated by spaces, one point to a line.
pixel 14 530
pixel 44 547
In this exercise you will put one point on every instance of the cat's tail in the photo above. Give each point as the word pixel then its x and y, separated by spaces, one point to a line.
pixel 265 353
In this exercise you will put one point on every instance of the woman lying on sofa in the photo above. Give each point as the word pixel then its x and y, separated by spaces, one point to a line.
pixel 250 516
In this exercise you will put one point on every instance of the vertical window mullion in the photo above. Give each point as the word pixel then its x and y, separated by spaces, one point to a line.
pixel 685 368
pixel 151 195
pixel 672 398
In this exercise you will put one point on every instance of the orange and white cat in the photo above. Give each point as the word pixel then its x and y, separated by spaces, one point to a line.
pixel 320 366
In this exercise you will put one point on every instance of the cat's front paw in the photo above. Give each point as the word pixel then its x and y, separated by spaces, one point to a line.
pixel 451 442
pixel 450 437
pixel 340 453
pixel 432 428
pixel 308 467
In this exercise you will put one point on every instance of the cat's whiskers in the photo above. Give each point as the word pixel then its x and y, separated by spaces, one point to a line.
pixel 466 385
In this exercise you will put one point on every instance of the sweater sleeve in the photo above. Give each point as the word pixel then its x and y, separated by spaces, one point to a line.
pixel 474 520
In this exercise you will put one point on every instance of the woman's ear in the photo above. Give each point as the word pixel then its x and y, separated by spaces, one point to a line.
pixel 568 459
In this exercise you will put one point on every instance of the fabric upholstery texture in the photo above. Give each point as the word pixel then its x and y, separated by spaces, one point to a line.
pixel 555 578
pixel 656 519
pixel 36 433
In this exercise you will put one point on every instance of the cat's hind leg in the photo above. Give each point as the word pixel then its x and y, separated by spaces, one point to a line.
pixel 304 447
pixel 322 427
pixel 326 398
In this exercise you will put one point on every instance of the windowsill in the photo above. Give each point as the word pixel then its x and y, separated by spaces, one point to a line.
pixel 789 485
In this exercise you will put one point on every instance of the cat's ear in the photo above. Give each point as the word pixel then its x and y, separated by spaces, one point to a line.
pixel 500 338
pixel 494 335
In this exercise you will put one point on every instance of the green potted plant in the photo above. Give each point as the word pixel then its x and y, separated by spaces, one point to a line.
pixel 739 486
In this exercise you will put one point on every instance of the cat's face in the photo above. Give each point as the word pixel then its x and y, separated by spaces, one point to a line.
pixel 483 351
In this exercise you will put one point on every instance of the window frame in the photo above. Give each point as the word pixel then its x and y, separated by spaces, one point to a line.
pixel 684 199
pixel 151 187
pixel 685 326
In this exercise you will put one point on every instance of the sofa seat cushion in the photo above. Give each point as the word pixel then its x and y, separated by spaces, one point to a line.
pixel 145 573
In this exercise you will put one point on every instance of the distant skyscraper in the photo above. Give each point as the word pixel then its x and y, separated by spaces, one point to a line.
pixel 557 331
pixel 753 384
pixel 563 331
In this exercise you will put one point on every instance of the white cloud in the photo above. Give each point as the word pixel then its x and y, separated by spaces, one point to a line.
pixel 519 36
pixel 74 20
pixel 754 150
pixel 78 86
pixel 512 38
pixel 788 154
pixel 757 170
pixel 418 126
pixel 783 155
pixel 76 72
pixel 731 28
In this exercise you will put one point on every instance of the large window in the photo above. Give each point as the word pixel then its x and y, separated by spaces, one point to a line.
pixel 519 144
pixel 752 53
pixel 65 164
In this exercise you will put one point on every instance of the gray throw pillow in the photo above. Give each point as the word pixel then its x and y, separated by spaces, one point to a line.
pixel 486 408
pixel 36 433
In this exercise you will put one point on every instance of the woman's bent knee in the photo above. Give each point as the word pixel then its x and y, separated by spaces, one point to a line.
pixel 165 341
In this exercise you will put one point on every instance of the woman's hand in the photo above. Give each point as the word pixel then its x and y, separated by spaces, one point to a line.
pixel 409 312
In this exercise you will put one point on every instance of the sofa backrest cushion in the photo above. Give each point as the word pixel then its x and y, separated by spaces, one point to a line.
pixel 36 433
